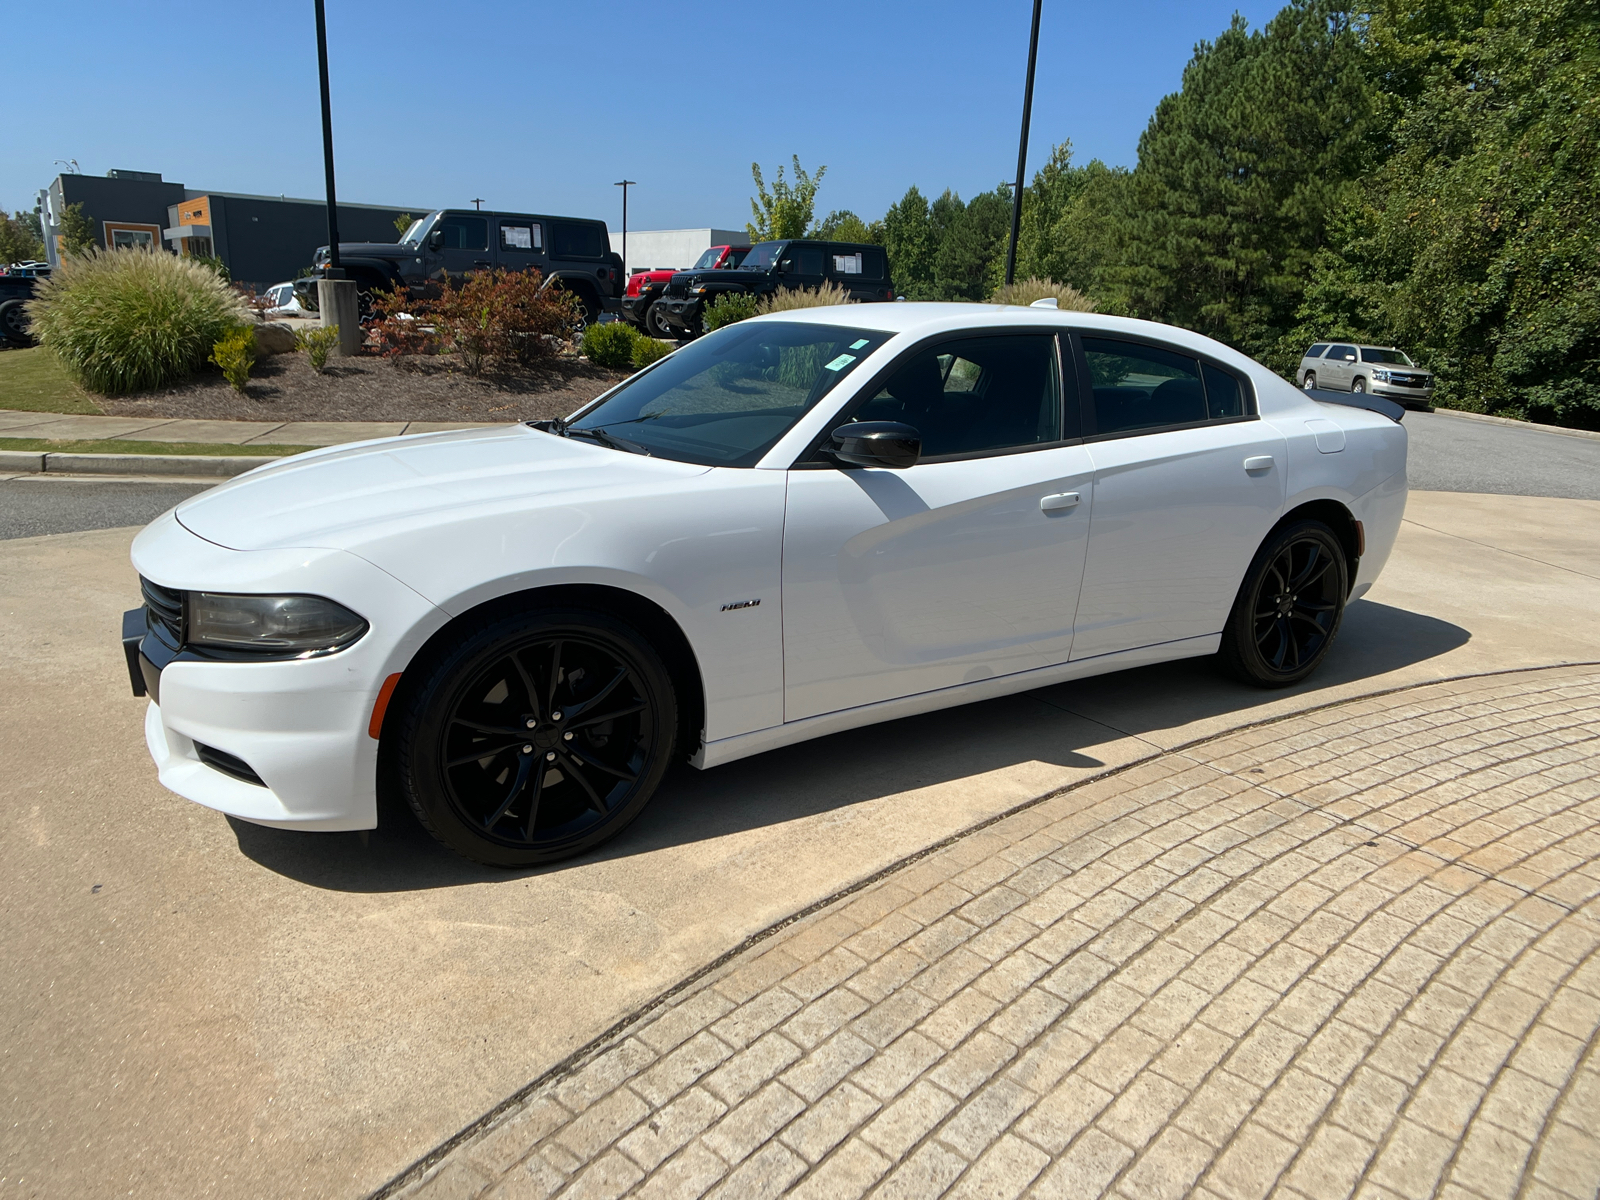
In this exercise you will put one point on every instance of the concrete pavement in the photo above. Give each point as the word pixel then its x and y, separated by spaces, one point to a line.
pixel 193 1008
pixel 233 433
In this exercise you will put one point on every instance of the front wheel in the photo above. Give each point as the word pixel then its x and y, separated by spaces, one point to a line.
pixel 1289 607
pixel 1311 381
pixel 1359 386
pixel 536 737
pixel 656 325
pixel 14 324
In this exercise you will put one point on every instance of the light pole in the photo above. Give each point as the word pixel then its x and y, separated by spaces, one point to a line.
pixel 1022 149
pixel 333 270
pixel 625 184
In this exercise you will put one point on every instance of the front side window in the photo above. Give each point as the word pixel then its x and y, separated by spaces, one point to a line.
pixel 725 399
pixel 1392 358
pixel 975 395
pixel 577 239
pixel 804 260
pixel 521 237
pixel 465 233
pixel 707 260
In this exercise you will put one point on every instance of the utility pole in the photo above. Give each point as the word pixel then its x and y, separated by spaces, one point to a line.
pixel 333 270
pixel 477 205
pixel 1022 149
pixel 625 184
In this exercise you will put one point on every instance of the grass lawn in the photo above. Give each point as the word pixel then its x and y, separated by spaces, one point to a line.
pixel 113 446
pixel 32 381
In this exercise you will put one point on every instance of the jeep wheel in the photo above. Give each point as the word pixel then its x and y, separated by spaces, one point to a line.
pixel 655 324
pixel 14 324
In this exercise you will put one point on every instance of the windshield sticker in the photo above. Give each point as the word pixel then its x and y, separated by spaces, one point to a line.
pixel 840 363
pixel 858 345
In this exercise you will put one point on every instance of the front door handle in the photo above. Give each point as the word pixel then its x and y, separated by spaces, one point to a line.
pixel 1060 502
pixel 482 262
pixel 1259 462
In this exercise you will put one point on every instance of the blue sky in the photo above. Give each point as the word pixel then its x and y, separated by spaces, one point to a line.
pixel 541 107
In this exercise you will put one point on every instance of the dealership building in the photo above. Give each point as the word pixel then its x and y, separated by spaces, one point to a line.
pixel 262 240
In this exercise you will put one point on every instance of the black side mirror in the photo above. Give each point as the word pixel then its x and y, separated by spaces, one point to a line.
pixel 878 444
pixel 785 265
pixel 436 240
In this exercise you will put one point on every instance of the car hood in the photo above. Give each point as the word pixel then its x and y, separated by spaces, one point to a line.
pixel 719 274
pixel 375 250
pixel 345 496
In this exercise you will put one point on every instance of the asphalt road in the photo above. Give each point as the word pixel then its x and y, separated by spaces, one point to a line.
pixel 1448 454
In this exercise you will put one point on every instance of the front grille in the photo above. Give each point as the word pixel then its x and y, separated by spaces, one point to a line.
pixel 677 288
pixel 228 764
pixel 1407 380
pixel 165 606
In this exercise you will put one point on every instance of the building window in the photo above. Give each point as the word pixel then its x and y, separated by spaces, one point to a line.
pixel 126 235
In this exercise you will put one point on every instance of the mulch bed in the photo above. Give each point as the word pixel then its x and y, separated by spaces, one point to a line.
pixel 415 388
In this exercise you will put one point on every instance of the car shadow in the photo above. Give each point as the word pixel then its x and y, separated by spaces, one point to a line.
pixel 1051 725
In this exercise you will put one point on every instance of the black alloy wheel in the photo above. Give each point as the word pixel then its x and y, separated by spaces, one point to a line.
pixel 537 737
pixel 14 324
pixel 1289 607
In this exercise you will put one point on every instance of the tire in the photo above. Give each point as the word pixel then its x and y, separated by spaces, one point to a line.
pixel 1289 607
pixel 14 324
pixel 1310 380
pixel 552 781
pixel 656 326
pixel 1359 386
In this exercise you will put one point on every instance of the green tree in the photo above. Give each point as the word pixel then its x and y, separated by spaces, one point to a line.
pixel 786 211
pixel 908 241
pixel 403 222
pixel 77 231
pixel 1476 245
pixel 842 225
pixel 19 238
pixel 1239 175
pixel 971 256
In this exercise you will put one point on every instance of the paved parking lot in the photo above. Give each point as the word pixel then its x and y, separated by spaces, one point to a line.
pixel 190 1007
pixel 1352 951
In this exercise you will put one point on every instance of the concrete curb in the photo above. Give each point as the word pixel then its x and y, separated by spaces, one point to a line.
pixel 1472 416
pixel 210 466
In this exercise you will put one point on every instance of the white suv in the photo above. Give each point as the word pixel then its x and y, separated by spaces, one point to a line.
pixel 1382 370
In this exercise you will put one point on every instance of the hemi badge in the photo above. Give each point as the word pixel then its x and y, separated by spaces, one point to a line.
pixel 740 604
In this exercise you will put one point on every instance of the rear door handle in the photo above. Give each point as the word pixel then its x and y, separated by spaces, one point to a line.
pixel 1259 462
pixel 1060 502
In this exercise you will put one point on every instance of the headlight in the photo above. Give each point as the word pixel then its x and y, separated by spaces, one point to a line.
pixel 271 626
pixel 1381 376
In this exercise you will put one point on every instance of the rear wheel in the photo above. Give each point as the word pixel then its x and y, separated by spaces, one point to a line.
pixel 537 737
pixel 1289 607
pixel 14 324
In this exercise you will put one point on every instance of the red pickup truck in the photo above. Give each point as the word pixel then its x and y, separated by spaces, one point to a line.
pixel 645 288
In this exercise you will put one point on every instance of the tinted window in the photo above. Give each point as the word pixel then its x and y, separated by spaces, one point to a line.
pixel 973 395
pixel 735 258
pixel 1343 353
pixel 521 237
pixel 465 233
pixel 1316 351
pixel 1142 387
pixel 570 239
pixel 1392 357
pixel 725 399
pixel 804 260
pixel 1224 394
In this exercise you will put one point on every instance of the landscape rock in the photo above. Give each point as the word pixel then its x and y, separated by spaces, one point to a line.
pixel 274 337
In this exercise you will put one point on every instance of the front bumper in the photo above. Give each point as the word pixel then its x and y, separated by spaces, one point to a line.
pixel 1413 395
pixel 634 307
pixel 682 314
pixel 300 726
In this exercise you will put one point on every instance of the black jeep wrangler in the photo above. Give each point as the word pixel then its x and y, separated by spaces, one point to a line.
pixel 570 251
pixel 861 270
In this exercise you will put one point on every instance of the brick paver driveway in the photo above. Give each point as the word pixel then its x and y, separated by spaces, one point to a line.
pixel 1352 951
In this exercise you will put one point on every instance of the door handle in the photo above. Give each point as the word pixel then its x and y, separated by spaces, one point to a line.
pixel 1060 502
pixel 1259 462
pixel 482 262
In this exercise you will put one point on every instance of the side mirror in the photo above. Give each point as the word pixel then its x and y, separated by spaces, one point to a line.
pixel 436 240
pixel 878 444
pixel 785 265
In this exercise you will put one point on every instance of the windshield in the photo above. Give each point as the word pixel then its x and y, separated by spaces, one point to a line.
pixel 1394 357
pixel 725 399
pixel 708 259
pixel 414 233
pixel 763 256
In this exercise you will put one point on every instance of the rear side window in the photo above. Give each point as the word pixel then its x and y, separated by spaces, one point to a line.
pixel 1224 396
pixel 856 262
pixel 521 237
pixel 574 239
pixel 1316 351
pixel 1142 387
pixel 465 233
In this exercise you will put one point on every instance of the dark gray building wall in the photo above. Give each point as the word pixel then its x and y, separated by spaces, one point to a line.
pixel 135 200
pixel 267 240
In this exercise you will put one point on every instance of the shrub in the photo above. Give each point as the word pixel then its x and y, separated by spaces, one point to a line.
pixel 609 345
pixel 131 320
pixel 788 299
pixel 647 350
pixel 396 329
pixel 1026 291
pixel 728 308
pixel 318 343
pixel 235 353
pixel 500 315
pixel 213 263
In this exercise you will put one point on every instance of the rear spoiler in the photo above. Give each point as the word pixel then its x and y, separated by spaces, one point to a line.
pixel 1364 400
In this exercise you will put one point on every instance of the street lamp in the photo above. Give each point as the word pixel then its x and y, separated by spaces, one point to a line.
pixel 1022 149
pixel 333 270
pixel 625 184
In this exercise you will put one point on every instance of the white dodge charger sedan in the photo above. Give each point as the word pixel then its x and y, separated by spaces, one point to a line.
pixel 799 524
